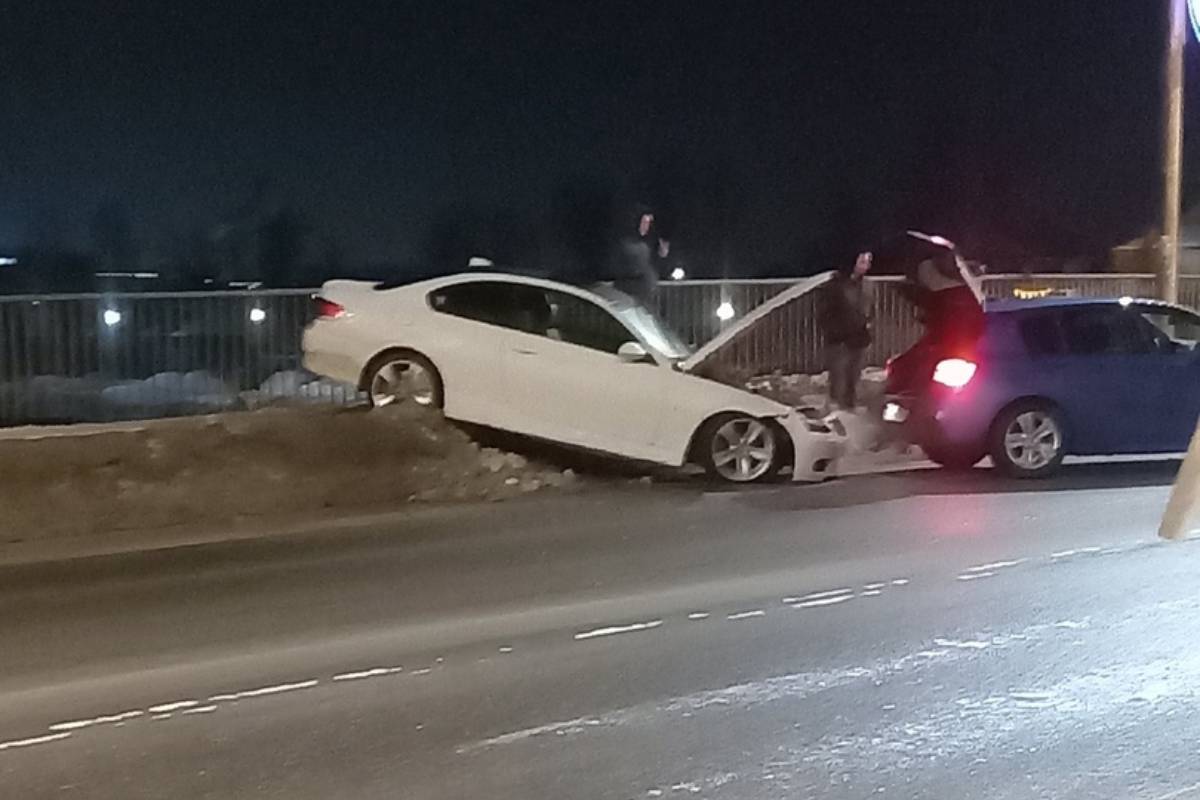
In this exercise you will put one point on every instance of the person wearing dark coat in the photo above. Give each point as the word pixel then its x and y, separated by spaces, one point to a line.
pixel 845 314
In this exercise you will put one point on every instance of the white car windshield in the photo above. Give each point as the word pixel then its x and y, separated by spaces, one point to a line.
pixel 646 324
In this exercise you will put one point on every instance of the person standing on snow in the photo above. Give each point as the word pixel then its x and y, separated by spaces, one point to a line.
pixel 845 312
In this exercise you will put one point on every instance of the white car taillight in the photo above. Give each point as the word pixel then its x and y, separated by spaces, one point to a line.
pixel 954 372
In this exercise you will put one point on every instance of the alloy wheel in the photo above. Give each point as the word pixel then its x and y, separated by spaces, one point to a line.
pixel 399 380
pixel 1032 440
pixel 743 450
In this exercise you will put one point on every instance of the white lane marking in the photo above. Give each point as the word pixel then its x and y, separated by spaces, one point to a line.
pixel 818 595
pixel 424 671
pixel 872 593
pixel 265 690
pixel 758 612
pixel 966 645
pixel 1070 624
pixel 996 565
pixel 14 743
pixel 613 630
pixel 974 576
pixel 698 615
pixel 87 723
pixel 201 710
pixel 873 586
pixel 900 582
pixel 159 717
pixel 374 672
pixel 163 708
pixel 825 601
pixel 506 649
pixel 1076 552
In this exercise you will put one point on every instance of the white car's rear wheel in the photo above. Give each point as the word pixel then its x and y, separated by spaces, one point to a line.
pixel 739 448
pixel 398 377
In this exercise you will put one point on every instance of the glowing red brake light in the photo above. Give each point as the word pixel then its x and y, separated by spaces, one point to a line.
pixel 954 372
pixel 327 309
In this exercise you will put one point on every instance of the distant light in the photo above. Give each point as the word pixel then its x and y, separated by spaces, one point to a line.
pixel 725 311
pixel 258 316
pixel 7 261
pixel 678 274
pixel 112 317
pixel 477 262
pixel 1125 301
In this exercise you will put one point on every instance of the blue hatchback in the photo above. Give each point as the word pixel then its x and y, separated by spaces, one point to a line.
pixel 1054 377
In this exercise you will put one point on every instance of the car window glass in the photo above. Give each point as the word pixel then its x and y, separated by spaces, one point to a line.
pixel 1041 334
pixel 1174 325
pixel 507 305
pixel 582 322
pixel 1105 331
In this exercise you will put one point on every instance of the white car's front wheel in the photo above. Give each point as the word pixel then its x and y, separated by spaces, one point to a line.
pixel 739 448
pixel 401 376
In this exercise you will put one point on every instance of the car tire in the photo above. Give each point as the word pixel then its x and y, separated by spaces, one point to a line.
pixel 396 377
pixel 957 459
pixel 740 448
pixel 1028 440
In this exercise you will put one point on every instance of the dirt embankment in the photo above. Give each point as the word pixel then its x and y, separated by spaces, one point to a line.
pixel 220 468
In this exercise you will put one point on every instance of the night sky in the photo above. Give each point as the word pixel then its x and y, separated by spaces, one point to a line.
pixel 773 136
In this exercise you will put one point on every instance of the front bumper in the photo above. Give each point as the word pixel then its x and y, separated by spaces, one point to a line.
pixel 816 453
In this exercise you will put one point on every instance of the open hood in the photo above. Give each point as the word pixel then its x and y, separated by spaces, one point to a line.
pixel 735 330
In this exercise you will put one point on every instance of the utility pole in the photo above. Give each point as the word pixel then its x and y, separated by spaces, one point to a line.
pixel 1173 147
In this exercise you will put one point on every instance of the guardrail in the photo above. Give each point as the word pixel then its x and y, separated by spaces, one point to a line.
pixel 96 357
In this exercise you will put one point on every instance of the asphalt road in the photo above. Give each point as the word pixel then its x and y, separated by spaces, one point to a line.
pixel 911 636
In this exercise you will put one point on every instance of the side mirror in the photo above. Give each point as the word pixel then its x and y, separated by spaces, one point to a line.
pixel 632 353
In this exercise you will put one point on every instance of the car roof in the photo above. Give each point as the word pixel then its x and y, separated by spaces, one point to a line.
pixel 1006 305
pixel 599 293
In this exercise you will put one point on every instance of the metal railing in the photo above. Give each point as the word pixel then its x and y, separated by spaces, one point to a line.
pixel 96 357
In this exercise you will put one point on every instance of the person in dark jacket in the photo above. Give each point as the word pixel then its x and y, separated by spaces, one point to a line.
pixel 637 256
pixel 846 304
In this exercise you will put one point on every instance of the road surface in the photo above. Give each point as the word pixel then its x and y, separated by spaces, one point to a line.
pixel 912 636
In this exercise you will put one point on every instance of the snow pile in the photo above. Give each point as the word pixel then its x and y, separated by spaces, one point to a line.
pixel 302 386
pixel 217 469
pixel 196 389
pixel 812 391
pixel 865 436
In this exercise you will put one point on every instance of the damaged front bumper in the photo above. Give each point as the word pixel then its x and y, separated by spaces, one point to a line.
pixel 818 444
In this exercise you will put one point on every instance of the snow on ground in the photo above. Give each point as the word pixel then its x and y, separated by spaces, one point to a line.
pixel 216 469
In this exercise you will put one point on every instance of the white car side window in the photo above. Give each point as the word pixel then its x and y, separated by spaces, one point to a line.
pixel 580 322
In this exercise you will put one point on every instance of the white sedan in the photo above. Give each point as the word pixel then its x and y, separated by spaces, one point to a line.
pixel 589 368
